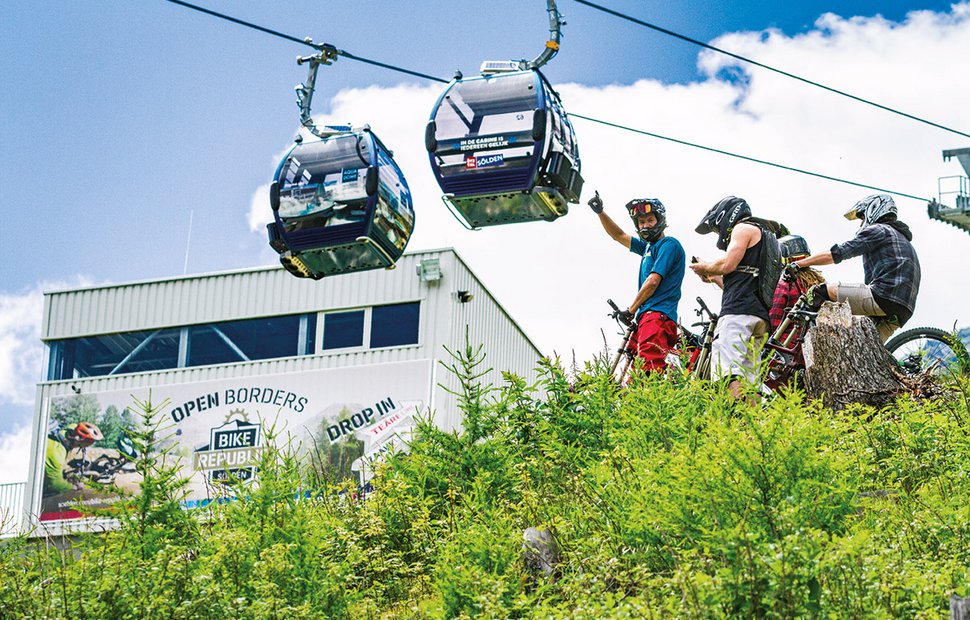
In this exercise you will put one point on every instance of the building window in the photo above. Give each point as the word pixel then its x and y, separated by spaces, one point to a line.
pixel 197 345
pixel 114 354
pixel 394 325
pixel 252 339
pixel 343 329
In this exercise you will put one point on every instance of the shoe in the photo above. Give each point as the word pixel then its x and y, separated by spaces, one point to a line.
pixel 816 296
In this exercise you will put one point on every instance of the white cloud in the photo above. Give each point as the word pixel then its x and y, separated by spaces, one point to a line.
pixel 259 212
pixel 21 368
pixel 21 352
pixel 14 454
pixel 554 277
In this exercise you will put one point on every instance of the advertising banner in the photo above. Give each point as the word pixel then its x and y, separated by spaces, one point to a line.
pixel 344 419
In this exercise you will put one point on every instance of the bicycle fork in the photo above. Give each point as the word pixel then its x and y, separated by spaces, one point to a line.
pixel 625 350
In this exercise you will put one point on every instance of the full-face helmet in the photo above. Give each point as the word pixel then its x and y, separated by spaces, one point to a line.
pixel 871 209
pixel 722 218
pixel 87 431
pixel 643 206
pixel 793 247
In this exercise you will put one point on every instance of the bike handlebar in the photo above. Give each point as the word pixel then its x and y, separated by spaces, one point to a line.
pixel 703 308
pixel 620 315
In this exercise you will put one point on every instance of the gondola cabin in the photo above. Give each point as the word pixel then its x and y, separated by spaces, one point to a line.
pixel 502 148
pixel 340 204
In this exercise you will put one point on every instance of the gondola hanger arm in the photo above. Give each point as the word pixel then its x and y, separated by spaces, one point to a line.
pixel 556 22
pixel 326 55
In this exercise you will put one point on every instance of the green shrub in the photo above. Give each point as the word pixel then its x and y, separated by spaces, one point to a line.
pixel 666 499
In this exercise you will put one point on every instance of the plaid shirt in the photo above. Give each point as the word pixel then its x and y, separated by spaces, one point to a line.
pixel 786 294
pixel 889 261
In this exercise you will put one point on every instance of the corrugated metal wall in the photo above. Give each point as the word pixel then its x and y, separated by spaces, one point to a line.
pixel 506 346
pixel 226 296
pixel 11 507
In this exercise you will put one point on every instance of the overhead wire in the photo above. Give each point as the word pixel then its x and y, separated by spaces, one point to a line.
pixel 750 61
pixel 289 37
pixel 747 158
pixel 574 115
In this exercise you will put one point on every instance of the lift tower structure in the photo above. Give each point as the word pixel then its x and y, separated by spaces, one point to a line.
pixel 957 188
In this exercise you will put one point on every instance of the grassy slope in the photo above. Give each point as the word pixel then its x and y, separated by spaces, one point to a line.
pixel 665 498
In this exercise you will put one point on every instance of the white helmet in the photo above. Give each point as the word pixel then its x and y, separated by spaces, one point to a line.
pixel 871 209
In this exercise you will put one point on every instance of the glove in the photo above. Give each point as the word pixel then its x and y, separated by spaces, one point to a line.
pixel 626 317
pixel 791 271
pixel 596 203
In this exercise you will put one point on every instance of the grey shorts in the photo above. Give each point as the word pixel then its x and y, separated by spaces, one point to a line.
pixel 736 347
pixel 862 303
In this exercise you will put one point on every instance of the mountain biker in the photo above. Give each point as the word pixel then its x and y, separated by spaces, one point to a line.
pixel 662 269
pixel 793 248
pixel 742 273
pixel 791 286
pixel 59 444
pixel 892 271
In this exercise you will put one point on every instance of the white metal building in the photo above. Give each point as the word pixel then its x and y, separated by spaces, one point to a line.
pixel 344 365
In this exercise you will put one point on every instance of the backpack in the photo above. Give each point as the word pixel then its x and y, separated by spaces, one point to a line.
pixel 769 271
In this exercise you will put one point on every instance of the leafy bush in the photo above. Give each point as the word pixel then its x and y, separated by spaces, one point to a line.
pixel 666 500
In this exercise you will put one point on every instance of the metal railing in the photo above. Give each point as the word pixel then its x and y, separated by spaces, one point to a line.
pixel 11 507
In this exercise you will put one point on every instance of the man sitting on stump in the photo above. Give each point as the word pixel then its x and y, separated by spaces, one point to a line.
pixel 892 271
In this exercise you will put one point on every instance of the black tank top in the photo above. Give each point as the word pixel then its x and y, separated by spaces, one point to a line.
pixel 741 286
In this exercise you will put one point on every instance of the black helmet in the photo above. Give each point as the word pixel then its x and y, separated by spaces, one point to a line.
pixel 642 206
pixel 793 247
pixel 871 209
pixel 722 217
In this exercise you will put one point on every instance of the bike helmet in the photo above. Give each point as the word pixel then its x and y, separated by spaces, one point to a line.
pixel 642 206
pixel 722 217
pixel 871 209
pixel 88 431
pixel 793 247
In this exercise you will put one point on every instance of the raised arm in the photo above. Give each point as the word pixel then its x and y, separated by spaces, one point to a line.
pixel 612 229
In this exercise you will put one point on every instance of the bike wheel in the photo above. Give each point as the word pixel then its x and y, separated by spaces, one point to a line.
pixel 929 349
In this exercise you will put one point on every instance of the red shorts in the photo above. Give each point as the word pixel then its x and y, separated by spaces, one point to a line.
pixel 655 337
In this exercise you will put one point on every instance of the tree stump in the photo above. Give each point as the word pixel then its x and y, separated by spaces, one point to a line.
pixel 959 608
pixel 846 362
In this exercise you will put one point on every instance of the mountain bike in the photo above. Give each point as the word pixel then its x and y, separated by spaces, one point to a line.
pixel 929 350
pixel 916 351
pixel 626 352
pixel 783 349
pixel 698 346
pixel 695 346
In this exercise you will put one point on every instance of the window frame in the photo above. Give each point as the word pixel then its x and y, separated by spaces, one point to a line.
pixel 55 348
pixel 396 346
pixel 321 322
pixel 368 327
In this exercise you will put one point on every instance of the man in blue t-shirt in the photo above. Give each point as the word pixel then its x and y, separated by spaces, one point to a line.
pixel 662 269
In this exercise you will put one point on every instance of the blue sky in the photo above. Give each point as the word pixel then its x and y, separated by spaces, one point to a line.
pixel 121 120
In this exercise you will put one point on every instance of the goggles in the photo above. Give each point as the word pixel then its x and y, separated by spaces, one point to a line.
pixel 640 208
